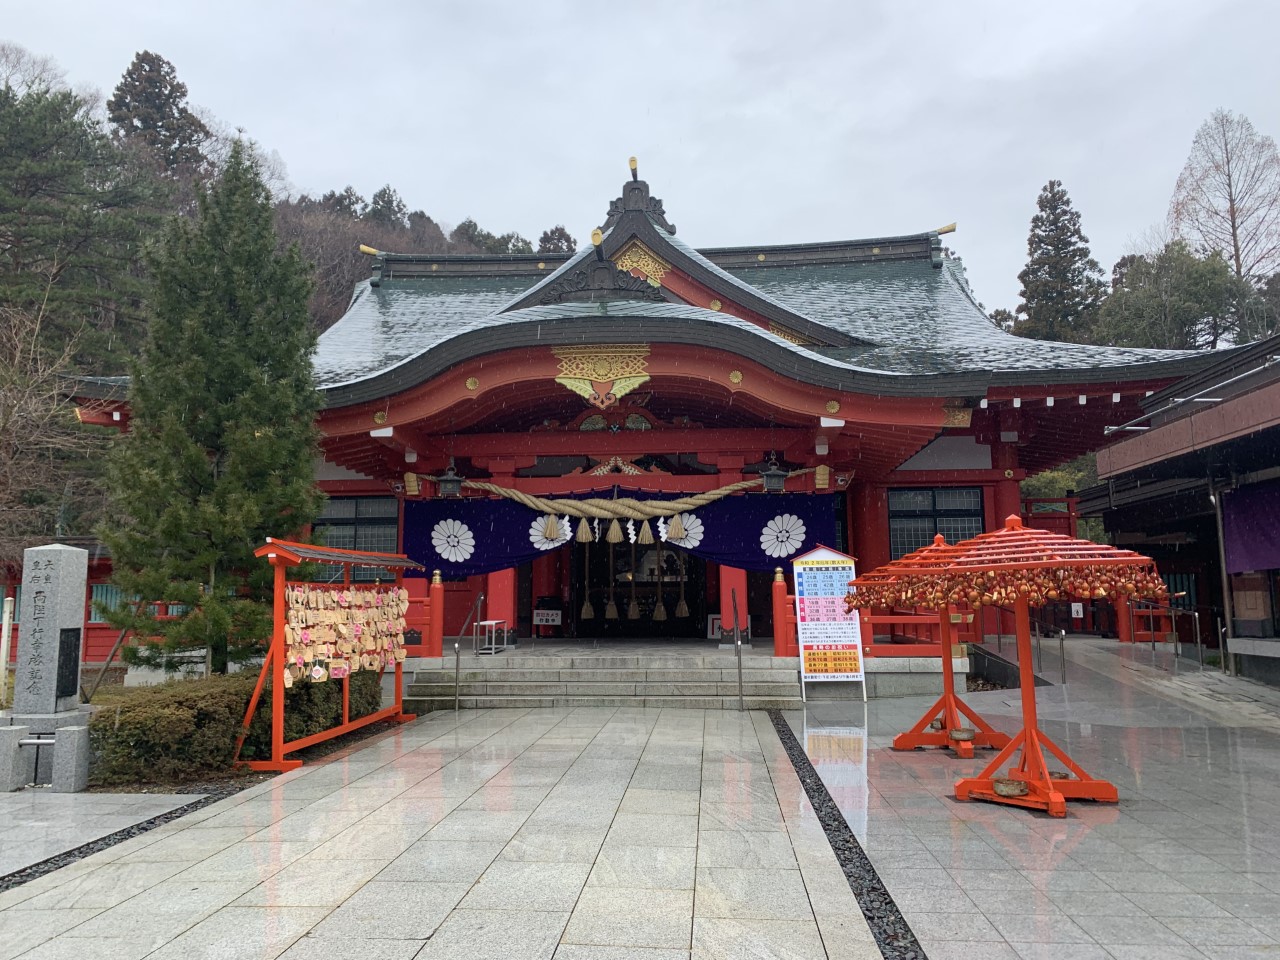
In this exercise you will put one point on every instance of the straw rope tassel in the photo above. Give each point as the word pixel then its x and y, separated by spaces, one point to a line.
pixel 675 529
pixel 584 531
pixel 588 611
pixel 682 608
pixel 659 608
pixel 611 608
pixel 615 532
pixel 551 528
pixel 633 608
pixel 646 534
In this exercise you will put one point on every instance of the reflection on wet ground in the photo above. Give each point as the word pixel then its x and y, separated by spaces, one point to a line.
pixel 1186 865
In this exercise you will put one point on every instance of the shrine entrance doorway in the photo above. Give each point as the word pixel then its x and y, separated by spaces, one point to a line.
pixel 636 591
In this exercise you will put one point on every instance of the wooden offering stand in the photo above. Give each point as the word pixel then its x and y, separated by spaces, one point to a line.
pixel 941 725
pixel 1021 567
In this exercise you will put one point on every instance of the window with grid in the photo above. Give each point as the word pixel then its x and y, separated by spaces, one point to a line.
pixel 360 523
pixel 109 595
pixel 916 515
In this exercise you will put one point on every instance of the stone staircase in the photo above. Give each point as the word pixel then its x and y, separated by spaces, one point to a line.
pixel 704 681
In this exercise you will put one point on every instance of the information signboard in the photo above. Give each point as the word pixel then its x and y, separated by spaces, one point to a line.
pixel 829 639
pixel 546 618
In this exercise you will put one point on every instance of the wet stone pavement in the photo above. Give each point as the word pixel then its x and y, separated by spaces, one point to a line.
pixel 649 834
pixel 1187 865
pixel 507 834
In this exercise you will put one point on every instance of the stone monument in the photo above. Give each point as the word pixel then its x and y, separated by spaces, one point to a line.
pixel 46 692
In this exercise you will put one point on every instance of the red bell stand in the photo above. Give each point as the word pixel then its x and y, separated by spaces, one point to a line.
pixel 283 554
pixel 946 712
pixel 1043 790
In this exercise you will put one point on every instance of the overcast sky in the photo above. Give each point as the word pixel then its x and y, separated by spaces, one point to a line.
pixel 754 122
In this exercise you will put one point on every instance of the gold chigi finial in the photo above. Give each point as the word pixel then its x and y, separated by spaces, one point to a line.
pixel 635 168
pixel 370 251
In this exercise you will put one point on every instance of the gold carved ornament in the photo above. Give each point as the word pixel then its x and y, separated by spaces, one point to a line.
pixel 638 259
pixel 602 374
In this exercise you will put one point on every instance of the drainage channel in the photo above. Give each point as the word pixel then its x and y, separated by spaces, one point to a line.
pixel 892 934
pixel 39 869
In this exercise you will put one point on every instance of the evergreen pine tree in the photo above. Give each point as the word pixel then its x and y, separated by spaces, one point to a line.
pixel 222 439
pixel 150 104
pixel 1061 283
pixel 72 216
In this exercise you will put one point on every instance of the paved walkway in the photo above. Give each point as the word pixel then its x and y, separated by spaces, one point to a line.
pixel 39 824
pixel 588 834
pixel 1187 865
pixel 634 834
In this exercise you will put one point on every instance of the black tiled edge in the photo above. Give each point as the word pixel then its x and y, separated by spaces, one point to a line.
pixel 893 935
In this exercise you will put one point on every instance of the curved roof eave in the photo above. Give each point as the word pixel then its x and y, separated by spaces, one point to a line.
pixel 692 326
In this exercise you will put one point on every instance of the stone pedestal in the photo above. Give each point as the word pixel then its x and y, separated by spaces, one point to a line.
pixel 70 760
pixel 14 760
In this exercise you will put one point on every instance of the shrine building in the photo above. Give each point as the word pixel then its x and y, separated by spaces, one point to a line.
pixel 858 379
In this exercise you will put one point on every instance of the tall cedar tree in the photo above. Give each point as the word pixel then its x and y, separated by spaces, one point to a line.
pixel 222 439
pixel 150 104
pixel 1061 283
pixel 73 210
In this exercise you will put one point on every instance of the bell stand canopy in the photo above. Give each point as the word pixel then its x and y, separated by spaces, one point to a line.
pixel 940 725
pixel 1024 567
pixel 1038 566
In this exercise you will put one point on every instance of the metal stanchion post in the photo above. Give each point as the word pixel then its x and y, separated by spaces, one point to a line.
pixel 1062 652
pixel 1195 623
pixel 1039 651
pixel 737 644
pixel 457 668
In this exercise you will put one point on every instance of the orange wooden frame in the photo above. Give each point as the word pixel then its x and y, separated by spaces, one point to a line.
pixel 947 710
pixel 282 554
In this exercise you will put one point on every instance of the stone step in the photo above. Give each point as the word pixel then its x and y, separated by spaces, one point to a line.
pixel 611 676
pixel 586 688
pixel 421 706
pixel 514 661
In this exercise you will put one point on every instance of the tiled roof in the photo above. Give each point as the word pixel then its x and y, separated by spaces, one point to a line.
pixel 878 315
pixel 923 320
pixel 398 319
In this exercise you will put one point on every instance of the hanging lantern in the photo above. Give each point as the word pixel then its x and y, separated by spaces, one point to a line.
pixel 449 485
pixel 775 479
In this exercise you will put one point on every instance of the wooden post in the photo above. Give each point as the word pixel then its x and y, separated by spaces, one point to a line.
pixel 1124 633
pixel 278 666
pixel 781 628
pixel 435 617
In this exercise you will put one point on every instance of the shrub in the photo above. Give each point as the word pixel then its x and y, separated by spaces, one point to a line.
pixel 186 729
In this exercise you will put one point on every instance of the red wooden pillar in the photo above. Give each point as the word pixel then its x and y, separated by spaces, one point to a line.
pixel 869 526
pixel 500 596
pixel 733 580
pixel 784 639
pixel 1123 633
pixel 433 636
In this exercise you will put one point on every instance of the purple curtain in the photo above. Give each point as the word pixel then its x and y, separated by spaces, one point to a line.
pixel 1251 527
pixel 752 531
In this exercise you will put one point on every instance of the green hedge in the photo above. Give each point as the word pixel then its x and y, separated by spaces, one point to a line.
pixel 187 729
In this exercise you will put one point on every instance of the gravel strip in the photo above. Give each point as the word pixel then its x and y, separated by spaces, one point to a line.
pixel 213 795
pixel 893 935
